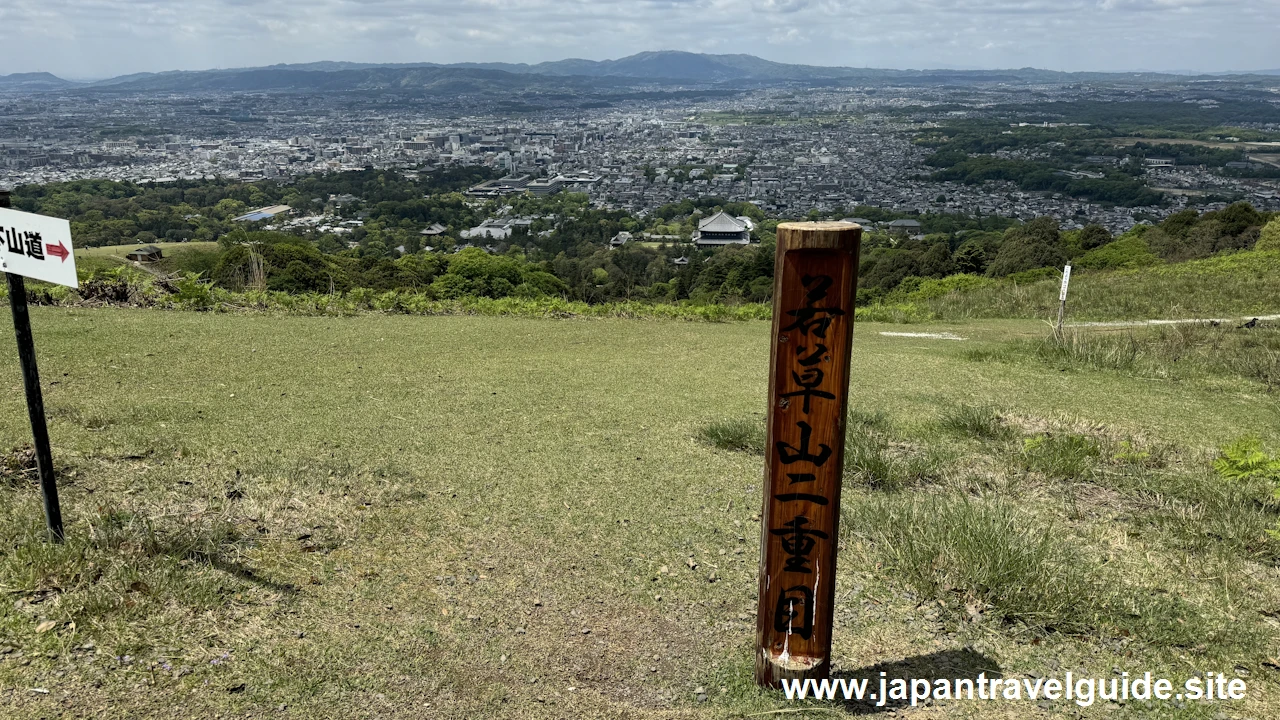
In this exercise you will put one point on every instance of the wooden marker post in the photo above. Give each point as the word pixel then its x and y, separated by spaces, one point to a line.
pixel 815 280
pixel 1062 296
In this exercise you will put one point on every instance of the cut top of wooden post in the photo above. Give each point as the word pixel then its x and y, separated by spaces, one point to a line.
pixel 819 236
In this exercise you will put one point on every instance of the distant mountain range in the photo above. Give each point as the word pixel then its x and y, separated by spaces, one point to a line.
pixel 34 81
pixel 661 68
pixel 427 79
pixel 674 65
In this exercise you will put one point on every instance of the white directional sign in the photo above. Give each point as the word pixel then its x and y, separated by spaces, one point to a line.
pixel 1066 280
pixel 37 247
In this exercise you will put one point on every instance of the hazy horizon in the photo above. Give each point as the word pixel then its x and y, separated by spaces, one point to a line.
pixel 1168 71
pixel 105 38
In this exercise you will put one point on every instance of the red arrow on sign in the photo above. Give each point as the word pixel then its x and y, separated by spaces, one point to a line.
pixel 57 250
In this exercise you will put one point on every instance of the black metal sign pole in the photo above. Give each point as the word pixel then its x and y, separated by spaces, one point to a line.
pixel 35 399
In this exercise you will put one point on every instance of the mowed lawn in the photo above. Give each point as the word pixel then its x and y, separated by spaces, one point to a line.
pixel 119 251
pixel 456 517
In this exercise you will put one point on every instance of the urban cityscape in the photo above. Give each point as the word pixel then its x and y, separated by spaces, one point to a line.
pixel 789 151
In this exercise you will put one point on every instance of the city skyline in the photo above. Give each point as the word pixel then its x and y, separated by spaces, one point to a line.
pixel 83 40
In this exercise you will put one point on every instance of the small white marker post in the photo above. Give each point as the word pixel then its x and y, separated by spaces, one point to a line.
pixel 1062 296
pixel 38 247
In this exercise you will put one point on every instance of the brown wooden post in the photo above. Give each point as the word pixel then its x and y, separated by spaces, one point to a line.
pixel 815 280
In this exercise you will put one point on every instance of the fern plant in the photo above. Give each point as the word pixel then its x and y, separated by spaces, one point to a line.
pixel 1245 459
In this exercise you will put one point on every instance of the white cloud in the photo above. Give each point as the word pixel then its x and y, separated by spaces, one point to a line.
pixel 781 6
pixel 101 37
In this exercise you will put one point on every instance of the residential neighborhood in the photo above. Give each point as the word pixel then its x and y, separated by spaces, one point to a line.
pixel 834 149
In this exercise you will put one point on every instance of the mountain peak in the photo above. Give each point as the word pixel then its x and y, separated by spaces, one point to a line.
pixel 33 81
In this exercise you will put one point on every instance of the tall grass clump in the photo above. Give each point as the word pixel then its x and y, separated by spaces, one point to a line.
pixel 1174 352
pixel 735 434
pixel 900 313
pixel 867 419
pixel 977 421
pixel 1072 349
pixel 1233 284
pixel 1060 457
pixel 980 557
pixel 871 460
pixel 987 562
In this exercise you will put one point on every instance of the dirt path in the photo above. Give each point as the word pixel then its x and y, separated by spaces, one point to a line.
pixel 1140 323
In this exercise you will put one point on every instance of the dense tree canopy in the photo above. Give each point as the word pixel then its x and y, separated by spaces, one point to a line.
pixel 562 248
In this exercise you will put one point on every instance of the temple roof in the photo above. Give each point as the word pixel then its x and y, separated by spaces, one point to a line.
pixel 722 223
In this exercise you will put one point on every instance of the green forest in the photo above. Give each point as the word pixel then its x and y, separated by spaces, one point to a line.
pixel 564 250
pixel 1111 150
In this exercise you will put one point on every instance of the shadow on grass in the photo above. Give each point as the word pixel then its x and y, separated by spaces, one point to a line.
pixel 203 544
pixel 249 575
pixel 948 665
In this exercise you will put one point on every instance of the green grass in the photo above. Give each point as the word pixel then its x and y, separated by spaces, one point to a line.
pixel 119 251
pixel 872 459
pixel 1060 456
pixel 979 421
pixel 1177 352
pixel 736 434
pixel 974 557
pixel 363 516
pixel 1232 285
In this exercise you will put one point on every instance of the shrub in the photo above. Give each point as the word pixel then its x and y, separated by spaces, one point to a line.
pixel 477 273
pixel 930 289
pixel 1027 277
pixel 538 283
pixel 1031 246
pixel 362 298
pixel 1131 252
pixel 1269 240
pixel 193 292
pixel 936 261
pixel 197 260
pixel 1093 237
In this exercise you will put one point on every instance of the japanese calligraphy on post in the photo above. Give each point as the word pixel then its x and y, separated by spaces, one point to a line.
pixel 815 283
pixel 37 247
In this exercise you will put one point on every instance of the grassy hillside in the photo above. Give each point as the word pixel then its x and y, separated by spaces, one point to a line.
pixel 119 251
pixel 405 517
pixel 1232 285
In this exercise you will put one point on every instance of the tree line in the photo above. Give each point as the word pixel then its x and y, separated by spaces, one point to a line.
pixel 564 249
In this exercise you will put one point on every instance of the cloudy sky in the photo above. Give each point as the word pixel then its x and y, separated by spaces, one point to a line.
pixel 100 38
